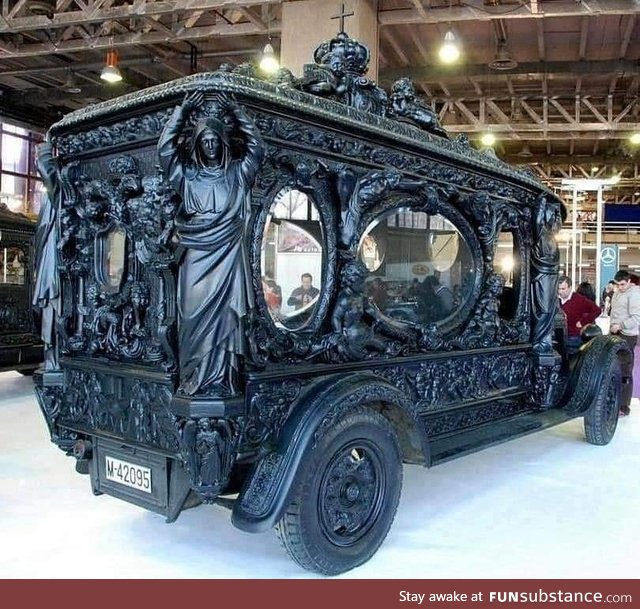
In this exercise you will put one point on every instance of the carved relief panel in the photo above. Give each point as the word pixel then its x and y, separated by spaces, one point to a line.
pixel 115 259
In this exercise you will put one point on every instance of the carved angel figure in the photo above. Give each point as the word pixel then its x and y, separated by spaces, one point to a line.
pixel 405 105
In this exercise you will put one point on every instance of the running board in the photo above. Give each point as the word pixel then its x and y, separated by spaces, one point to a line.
pixel 495 432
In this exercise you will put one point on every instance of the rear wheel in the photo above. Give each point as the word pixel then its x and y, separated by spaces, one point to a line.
pixel 346 496
pixel 601 420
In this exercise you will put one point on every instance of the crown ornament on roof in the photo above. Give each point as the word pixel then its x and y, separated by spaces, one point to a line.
pixel 353 55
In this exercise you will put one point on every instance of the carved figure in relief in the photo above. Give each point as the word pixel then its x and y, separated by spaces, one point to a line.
pixel 405 105
pixel 125 179
pixel 152 214
pixel 544 277
pixel 484 326
pixel 339 72
pixel 360 329
pixel 207 448
pixel 46 290
pixel 214 290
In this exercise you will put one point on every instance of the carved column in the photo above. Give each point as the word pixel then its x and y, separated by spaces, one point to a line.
pixel 307 23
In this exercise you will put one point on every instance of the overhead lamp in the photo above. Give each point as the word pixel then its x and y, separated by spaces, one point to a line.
pixel 110 72
pixel 449 51
pixel 488 139
pixel 70 85
pixel 269 63
pixel 525 152
pixel 503 59
pixel 41 8
pixel 635 138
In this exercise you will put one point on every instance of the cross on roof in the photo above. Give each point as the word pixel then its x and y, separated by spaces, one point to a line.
pixel 341 15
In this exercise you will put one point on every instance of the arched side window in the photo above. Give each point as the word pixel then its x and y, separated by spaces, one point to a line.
pixel 292 259
pixel 421 268
pixel 111 258
pixel 507 264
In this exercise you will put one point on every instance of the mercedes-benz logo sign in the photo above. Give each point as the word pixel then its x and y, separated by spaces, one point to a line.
pixel 608 255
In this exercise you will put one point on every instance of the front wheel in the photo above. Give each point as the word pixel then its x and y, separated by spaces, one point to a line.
pixel 346 495
pixel 601 420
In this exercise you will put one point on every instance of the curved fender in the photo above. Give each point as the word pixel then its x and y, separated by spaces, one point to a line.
pixel 588 373
pixel 266 493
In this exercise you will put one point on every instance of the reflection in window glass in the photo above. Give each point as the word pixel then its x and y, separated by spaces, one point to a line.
pixel 505 264
pixel 294 205
pixel 114 257
pixel 14 191
pixel 13 129
pixel 421 269
pixel 292 259
pixel 12 265
pixel 36 193
pixel 15 154
pixel 33 156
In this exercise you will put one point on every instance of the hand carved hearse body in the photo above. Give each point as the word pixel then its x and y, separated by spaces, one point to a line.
pixel 20 344
pixel 274 293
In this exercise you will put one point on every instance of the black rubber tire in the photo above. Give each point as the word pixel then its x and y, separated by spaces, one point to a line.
pixel 346 495
pixel 601 420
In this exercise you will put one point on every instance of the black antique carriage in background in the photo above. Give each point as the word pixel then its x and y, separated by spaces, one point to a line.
pixel 186 361
pixel 20 344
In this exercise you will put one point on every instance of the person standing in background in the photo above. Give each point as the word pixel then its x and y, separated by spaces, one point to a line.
pixel 586 289
pixel 607 295
pixel 625 321
pixel 579 310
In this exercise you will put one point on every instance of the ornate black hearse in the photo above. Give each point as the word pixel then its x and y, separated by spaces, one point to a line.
pixel 20 344
pixel 270 293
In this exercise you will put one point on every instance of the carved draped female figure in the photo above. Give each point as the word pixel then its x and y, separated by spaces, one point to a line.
pixel 544 279
pixel 214 293
pixel 46 289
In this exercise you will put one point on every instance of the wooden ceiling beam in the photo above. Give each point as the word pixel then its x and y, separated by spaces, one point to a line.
pixel 608 67
pixel 102 12
pixel 396 46
pixel 584 37
pixel 418 6
pixel 135 38
pixel 253 18
pixel 476 10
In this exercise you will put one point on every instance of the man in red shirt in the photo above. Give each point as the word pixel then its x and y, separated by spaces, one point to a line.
pixel 579 310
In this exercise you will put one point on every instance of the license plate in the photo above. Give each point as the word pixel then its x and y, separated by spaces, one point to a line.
pixel 129 474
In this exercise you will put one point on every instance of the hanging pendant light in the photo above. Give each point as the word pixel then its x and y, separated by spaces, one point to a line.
pixel 503 59
pixel 110 72
pixel 488 139
pixel 269 63
pixel 449 51
pixel 70 85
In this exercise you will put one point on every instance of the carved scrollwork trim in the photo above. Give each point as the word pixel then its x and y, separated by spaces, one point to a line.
pixel 350 119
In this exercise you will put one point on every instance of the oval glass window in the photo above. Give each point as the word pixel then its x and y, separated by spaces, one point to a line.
pixel 111 257
pixel 291 259
pixel 422 270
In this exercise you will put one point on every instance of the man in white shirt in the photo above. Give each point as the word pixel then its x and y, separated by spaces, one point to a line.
pixel 625 322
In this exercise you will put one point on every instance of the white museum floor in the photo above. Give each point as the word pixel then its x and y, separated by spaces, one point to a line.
pixel 545 506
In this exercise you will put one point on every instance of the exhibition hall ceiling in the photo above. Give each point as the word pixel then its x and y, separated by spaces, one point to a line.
pixel 556 81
